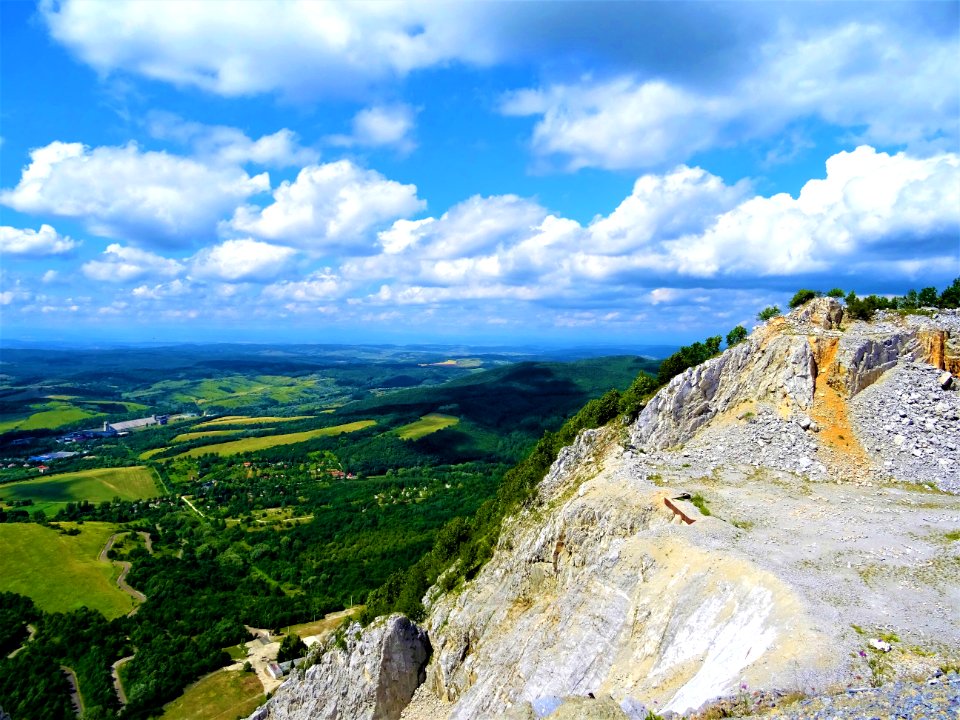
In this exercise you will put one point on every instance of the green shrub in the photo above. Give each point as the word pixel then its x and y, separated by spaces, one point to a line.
pixel 736 336
pixel 768 313
pixel 801 297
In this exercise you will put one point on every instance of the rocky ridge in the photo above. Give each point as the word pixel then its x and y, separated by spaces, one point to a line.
pixel 813 536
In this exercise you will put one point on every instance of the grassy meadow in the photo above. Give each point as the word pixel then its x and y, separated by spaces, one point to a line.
pixel 50 492
pixel 246 420
pixel 235 447
pixel 426 425
pixel 61 572
pixel 201 434
pixel 48 416
pixel 223 695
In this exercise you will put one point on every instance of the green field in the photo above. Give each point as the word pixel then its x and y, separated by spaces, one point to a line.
pixel 244 420
pixel 50 492
pixel 147 454
pixel 426 425
pixel 49 416
pixel 223 695
pixel 200 434
pixel 235 447
pixel 231 390
pixel 61 572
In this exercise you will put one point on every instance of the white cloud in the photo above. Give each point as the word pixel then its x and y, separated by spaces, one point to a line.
pixel 231 146
pixel 681 201
pixel 124 264
pixel 160 291
pixel 125 193
pixel 329 207
pixel 870 77
pixel 871 208
pixel 295 47
pixel 319 286
pixel 381 126
pixel 872 213
pixel 45 241
pixel 242 260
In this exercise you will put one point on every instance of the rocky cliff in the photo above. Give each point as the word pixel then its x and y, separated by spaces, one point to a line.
pixel 364 674
pixel 772 518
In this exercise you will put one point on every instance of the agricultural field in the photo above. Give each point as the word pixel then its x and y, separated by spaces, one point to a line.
pixel 222 695
pixel 201 434
pixel 47 416
pixel 235 447
pixel 51 492
pixel 426 425
pixel 234 391
pixel 245 420
pixel 61 572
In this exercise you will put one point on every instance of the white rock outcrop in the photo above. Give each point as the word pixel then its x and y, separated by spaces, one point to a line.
pixel 372 678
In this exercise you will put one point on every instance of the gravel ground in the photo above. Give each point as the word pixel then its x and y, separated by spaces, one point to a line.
pixel 898 701
pixel 912 425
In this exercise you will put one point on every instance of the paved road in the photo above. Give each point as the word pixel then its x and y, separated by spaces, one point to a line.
pixel 117 684
pixel 125 568
pixel 75 696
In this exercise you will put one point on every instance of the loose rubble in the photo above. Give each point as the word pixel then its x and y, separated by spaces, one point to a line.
pixel 912 426
pixel 761 439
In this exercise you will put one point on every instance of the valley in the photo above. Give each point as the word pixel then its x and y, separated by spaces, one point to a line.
pixel 204 490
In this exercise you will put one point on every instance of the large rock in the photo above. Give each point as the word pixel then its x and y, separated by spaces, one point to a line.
pixel 370 675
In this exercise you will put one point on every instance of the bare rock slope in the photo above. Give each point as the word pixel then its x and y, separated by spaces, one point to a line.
pixel 816 535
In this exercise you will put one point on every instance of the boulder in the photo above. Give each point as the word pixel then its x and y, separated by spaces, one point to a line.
pixel 371 674
pixel 945 380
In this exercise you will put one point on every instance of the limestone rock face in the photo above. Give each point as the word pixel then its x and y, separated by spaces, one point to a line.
pixel 605 595
pixel 825 313
pixel 372 679
pixel 600 589
pixel 779 365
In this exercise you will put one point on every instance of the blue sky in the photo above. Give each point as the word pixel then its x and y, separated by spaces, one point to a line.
pixel 572 172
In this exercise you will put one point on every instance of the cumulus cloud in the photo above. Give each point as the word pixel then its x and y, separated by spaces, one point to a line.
pixel 126 193
pixel 871 77
pixel 873 213
pixel 294 47
pixel 242 260
pixel 381 126
pixel 319 286
pixel 871 208
pixel 45 241
pixel 124 264
pixel 229 145
pixel 329 207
